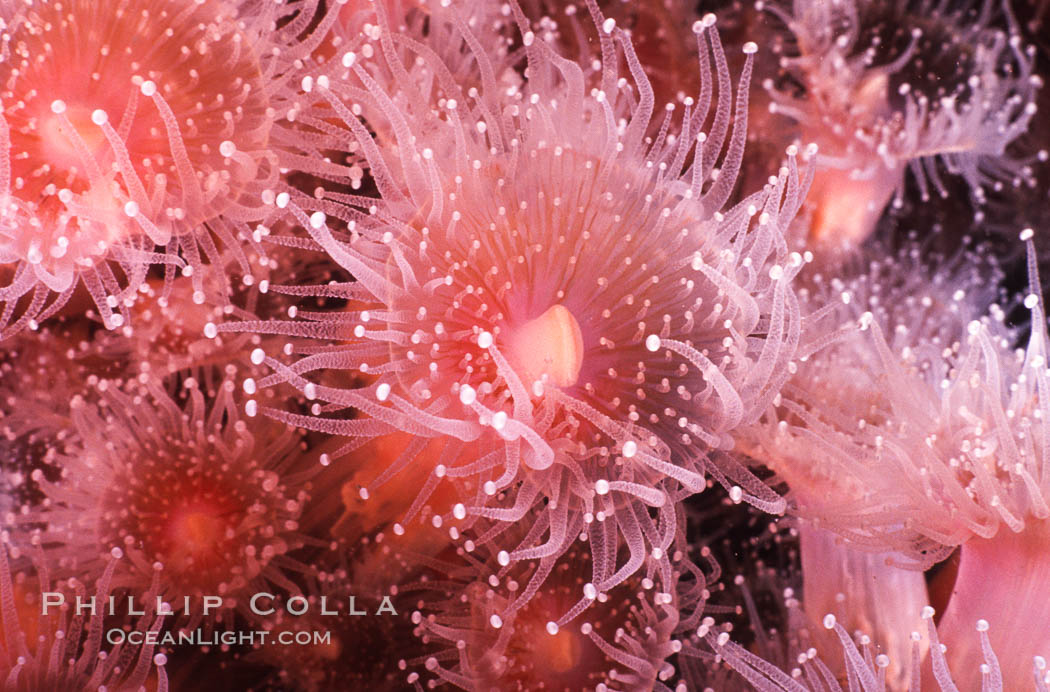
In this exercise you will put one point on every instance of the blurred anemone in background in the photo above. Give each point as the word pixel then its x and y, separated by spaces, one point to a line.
pixel 57 648
pixel 195 503
pixel 894 88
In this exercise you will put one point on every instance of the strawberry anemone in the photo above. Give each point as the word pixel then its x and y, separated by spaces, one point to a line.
pixel 193 499
pixel 859 655
pixel 58 647
pixel 133 136
pixel 561 310
pixel 493 626
pixel 938 445
pixel 888 89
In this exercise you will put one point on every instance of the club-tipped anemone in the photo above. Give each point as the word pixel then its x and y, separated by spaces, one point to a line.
pixel 947 417
pixel 938 445
pixel 493 626
pixel 866 668
pixel 39 373
pixel 867 398
pixel 325 145
pixel 799 651
pixel 134 137
pixel 54 647
pixel 660 32
pixel 195 501
pixel 171 336
pixel 545 286
pixel 891 88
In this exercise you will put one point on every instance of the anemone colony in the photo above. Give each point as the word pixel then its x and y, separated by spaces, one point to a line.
pixel 598 345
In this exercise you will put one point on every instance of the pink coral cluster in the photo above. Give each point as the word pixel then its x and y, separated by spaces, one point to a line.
pixel 611 345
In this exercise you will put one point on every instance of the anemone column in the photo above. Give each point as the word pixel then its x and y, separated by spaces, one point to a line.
pixel 1003 586
pixel 864 593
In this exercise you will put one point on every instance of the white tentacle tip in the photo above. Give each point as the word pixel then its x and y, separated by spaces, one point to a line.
pixel 467 395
